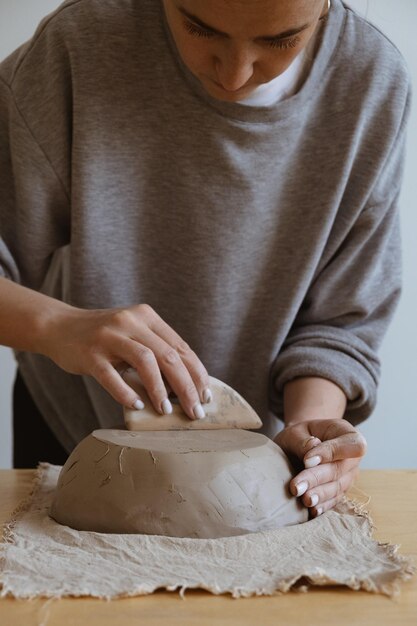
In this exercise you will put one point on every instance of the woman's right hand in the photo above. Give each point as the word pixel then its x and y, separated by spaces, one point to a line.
pixel 101 343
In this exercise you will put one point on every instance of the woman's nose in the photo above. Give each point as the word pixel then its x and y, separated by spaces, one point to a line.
pixel 234 69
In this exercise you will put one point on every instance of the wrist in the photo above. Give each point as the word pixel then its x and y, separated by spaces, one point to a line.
pixel 312 398
pixel 26 316
pixel 50 324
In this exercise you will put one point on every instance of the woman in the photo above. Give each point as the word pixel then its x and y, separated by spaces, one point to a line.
pixel 194 186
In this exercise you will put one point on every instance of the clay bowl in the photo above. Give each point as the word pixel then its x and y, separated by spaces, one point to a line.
pixel 202 484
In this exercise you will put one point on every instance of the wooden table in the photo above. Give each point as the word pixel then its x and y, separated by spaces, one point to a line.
pixel 393 507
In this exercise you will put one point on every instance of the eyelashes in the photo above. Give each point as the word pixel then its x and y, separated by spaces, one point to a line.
pixel 197 31
pixel 282 44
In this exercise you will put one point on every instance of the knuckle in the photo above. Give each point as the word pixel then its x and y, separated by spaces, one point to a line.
pixel 145 310
pixel 316 479
pixel 144 355
pixel 338 471
pixel 101 335
pixel 171 357
pixel 183 348
pixel 333 450
pixel 122 318
pixel 362 443
pixel 187 353
pixel 339 488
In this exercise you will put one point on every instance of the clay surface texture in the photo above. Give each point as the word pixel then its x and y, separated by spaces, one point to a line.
pixel 198 484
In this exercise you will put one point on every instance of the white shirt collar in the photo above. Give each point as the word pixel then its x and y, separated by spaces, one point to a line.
pixel 286 84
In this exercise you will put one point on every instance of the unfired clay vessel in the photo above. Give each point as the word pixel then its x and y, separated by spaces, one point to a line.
pixel 202 484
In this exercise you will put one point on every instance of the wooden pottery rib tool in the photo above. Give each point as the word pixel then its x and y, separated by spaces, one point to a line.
pixel 227 409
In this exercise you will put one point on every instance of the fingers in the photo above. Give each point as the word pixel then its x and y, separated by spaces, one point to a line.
pixel 331 451
pixel 143 360
pixel 323 497
pixel 320 494
pixel 157 352
pixel 339 440
pixel 111 380
pixel 197 373
pixel 350 445
pixel 314 477
pixel 157 357
pixel 324 506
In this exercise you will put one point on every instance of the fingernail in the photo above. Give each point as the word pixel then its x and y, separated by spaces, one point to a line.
pixel 166 407
pixel 199 411
pixel 319 511
pixel 301 488
pixel 207 396
pixel 314 499
pixel 138 404
pixel 312 461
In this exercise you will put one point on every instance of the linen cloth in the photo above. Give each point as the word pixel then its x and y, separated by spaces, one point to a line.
pixel 40 557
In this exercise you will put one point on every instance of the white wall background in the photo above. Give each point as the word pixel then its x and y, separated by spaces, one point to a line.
pixel 392 429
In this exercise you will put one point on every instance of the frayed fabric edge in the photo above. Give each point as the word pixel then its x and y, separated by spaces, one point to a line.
pixel 22 507
pixel 391 589
pixel 406 564
pixel 9 525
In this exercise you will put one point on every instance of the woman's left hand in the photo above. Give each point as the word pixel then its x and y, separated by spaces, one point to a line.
pixel 330 450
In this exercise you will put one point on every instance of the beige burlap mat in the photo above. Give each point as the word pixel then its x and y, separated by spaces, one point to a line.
pixel 39 557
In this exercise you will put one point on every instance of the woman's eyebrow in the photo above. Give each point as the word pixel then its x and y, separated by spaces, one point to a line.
pixel 287 33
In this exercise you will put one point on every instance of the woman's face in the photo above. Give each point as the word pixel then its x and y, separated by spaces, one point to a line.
pixel 233 46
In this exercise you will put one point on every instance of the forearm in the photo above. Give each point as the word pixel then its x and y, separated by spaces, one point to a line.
pixel 310 398
pixel 25 316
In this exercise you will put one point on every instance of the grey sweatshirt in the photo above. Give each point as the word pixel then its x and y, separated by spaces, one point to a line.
pixel 267 237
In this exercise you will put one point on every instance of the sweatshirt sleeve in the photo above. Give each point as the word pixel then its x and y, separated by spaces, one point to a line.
pixel 352 298
pixel 34 144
